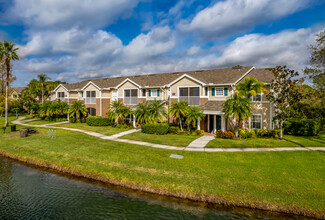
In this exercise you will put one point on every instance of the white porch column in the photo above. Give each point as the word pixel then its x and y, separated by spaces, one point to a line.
pixel 68 117
pixel 134 125
pixel 208 123
pixel 100 103
pixel 198 125
pixel 223 123
pixel 214 124
pixel 249 123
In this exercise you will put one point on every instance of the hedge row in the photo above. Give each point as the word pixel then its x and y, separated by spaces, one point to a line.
pixel 164 128
pixel 98 121
pixel 302 127
pixel 159 128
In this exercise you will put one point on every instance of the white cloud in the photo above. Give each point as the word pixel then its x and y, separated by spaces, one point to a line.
pixel 285 48
pixel 232 16
pixel 158 41
pixel 69 13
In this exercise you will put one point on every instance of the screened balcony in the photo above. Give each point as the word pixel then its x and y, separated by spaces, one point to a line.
pixel 190 94
pixel 130 97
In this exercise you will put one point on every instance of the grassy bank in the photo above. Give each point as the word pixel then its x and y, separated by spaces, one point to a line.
pixel 286 181
pixel 42 122
pixel 173 140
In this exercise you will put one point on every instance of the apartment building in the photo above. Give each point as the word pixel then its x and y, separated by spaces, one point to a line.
pixel 208 89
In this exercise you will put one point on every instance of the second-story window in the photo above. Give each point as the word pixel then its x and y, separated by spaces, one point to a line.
pixel 190 94
pixel 90 97
pixel 256 98
pixel 61 96
pixel 130 97
pixel 219 92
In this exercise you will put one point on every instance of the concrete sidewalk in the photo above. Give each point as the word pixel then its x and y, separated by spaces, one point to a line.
pixel 201 142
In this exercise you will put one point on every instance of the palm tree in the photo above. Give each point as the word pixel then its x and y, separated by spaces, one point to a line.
pixel 142 112
pixel 179 110
pixel 157 110
pixel 239 108
pixel 193 115
pixel 78 108
pixel 42 79
pixel 7 53
pixel 251 87
pixel 44 108
pixel 63 107
pixel 118 111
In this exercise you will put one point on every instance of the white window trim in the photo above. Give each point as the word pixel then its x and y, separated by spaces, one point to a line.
pixel 130 93
pixel 178 87
pixel 85 96
pixel 141 95
pixel 156 93
pixel 261 121
pixel 255 96
pixel 203 95
pixel 223 91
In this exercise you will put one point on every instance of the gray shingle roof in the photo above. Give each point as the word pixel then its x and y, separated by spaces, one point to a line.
pixel 19 89
pixel 265 75
pixel 213 106
pixel 214 76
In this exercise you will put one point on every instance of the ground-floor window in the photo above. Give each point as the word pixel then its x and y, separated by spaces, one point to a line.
pixel 91 111
pixel 256 122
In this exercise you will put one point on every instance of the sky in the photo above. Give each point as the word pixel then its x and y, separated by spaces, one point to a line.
pixel 74 40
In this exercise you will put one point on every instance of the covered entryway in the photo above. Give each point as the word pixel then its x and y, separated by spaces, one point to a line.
pixel 215 122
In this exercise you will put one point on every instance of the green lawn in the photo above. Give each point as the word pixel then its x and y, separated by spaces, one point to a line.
pixel 289 141
pixel 173 140
pixel 292 179
pixel 106 130
pixel 40 122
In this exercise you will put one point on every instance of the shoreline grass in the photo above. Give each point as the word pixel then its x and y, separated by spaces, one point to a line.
pixel 291 182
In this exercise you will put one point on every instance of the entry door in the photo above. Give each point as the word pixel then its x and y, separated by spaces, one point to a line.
pixel 211 123
pixel 218 122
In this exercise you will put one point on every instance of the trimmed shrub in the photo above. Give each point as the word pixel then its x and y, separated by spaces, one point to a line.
pixel 302 127
pixel 267 133
pixel 157 128
pixel 98 121
pixel 225 134
pixel 173 130
pixel 199 132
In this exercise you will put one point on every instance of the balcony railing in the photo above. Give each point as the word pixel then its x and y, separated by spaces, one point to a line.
pixel 191 100
pixel 130 100
pixel 90 100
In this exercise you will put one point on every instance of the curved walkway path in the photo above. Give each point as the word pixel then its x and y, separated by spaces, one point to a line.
pixel 194 146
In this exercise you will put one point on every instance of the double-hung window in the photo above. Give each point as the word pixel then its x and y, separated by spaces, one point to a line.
pixel 61 96
pixel 90 97
pixel 190 94
pixel 256 98
pixel 256 122
pixel 130 96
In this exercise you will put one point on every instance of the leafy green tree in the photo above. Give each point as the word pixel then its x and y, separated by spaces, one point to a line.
pixel 179 110
pixel 316 70
pixel 283 94
pixel 193 115
pixel 42 80
pixel 239 107
pixel 78 109
pixel 250 87
pixel 7 53
pixel 157 110
pixel 118 111
pixel 142 113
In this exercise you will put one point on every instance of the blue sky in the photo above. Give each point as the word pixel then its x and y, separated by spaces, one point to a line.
pixel 72 40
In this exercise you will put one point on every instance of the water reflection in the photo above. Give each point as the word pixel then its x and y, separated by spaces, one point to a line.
pixel 27 193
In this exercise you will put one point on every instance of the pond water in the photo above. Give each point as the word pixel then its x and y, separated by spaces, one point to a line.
pixel 29 193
